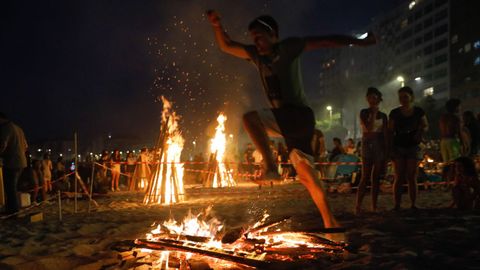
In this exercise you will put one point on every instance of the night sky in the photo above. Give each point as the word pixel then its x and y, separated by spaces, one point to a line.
pixel 99 67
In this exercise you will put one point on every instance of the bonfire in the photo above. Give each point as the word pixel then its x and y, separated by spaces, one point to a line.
pixel 219 174
pixel 201 240
pixel 166 182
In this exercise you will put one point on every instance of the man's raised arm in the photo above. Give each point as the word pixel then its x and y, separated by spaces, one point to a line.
pixel 224 42
pixel 334 41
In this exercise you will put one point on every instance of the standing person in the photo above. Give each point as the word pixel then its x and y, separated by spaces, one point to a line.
pixel 249 160
pixel 290 117
pixel 38 180
pixel 283 160
pixel 142 170
pixel 13 146
pixel 130 169
pixel 60 174
pixel 407 124
pixel 319 151
pixel 374 147
pixel 104 161
pixel 470 124
pixel 450 125
pixel 115 165
pixel 47 168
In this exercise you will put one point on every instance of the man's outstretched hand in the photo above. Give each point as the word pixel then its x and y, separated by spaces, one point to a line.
pixel 213 17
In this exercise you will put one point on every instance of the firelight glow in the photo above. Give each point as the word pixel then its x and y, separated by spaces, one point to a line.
pixel 218 145
pixel 167 183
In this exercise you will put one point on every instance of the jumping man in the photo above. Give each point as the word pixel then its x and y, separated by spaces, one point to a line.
pixel 290 116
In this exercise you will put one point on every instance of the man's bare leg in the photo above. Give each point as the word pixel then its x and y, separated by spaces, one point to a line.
pixel 308 178
pixel 254 126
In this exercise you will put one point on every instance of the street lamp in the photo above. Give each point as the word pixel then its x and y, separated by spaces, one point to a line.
pixel 418 79
pixel 330 109
pixel 401 80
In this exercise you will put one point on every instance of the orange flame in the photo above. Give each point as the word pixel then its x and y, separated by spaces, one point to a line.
pixel 167 182
pixel 218 145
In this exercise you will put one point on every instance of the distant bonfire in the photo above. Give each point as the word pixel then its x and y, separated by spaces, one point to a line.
pixel 166 183
pixel 219 173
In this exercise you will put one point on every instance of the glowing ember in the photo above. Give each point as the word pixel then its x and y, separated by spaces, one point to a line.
pixel 166 184
pixel 192 225
pixel 223 175
pixel 197 237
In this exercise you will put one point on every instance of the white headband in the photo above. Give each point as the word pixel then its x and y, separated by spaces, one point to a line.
pixel 265 24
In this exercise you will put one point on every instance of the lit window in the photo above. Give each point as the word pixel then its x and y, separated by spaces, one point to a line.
pixel 468 47
pixel 477 61
pixel 454 39
pixel 428 92
pixel 476 44
pixel 411 5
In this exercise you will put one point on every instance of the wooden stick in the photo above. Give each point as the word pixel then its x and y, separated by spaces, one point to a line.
pixel 91 186
pixel 161 245
pixel 59 194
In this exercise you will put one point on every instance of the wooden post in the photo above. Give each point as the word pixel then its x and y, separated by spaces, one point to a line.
pixel 153 182
pixel 91 185
pixel 59 205
pixel 2 194
pixel 76 167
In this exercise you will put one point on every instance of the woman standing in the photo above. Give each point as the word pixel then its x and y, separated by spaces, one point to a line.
pixel 130 169
pixel 115 163
pixel 407 125
pixel 47 168
pixel 374 148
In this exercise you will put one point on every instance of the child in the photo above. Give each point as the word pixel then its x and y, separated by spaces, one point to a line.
pixel 466 187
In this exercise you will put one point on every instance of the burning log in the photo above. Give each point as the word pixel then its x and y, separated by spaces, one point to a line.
pixel 162 244
pixel 194 238
pixel 219 174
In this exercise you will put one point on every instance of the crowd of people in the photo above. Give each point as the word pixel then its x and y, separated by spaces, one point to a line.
pixel 398 137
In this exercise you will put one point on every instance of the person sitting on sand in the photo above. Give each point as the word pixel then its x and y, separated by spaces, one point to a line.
pixel 466 187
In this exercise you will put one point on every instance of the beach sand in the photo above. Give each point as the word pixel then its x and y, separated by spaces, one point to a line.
pixel 432 237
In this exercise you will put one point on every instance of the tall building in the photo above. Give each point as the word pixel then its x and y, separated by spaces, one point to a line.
pixel 465 53
pixel 432 46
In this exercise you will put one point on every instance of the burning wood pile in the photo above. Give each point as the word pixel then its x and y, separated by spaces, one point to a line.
pixel 166 182
pixel 219 174
pixel 201 242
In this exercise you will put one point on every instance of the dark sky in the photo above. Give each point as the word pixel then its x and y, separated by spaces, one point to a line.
pixel 98 67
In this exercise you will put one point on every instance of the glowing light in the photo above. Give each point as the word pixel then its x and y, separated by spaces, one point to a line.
pixel 223 176
pixel 412 5
pixel 362 36
pixel 329 108
pixel 400 79
pixel 418 79
pixel 167 182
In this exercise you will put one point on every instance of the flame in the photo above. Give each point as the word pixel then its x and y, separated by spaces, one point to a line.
pixel 223 177
pixel 192 225
pixel 166 186
pixel 198 225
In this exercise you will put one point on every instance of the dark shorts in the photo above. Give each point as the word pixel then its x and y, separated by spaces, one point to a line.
pixel 373 149
pixel 295 124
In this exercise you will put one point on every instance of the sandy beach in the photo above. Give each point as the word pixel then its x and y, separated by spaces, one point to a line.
pixel 433 237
